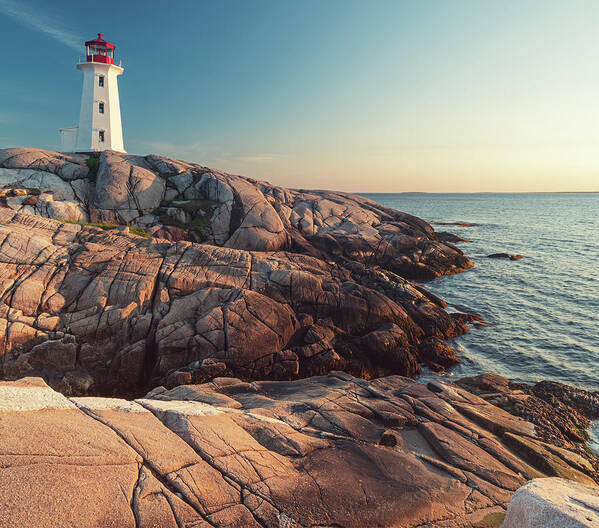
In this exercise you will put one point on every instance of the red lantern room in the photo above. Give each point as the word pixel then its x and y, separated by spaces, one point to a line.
pixel 98 50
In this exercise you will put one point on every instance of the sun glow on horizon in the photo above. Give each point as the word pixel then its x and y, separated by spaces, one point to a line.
pixel 463 96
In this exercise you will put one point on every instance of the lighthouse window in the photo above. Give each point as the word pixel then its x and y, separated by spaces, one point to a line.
pixel 101 81
pixel 101 138
pixel 101 108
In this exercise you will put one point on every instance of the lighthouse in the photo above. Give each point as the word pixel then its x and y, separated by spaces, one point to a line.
pixel 100 115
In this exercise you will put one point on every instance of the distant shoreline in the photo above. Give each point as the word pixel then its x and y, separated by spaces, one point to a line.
pixel 481 192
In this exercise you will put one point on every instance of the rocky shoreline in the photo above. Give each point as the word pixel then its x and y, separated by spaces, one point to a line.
pixel 256 281
pixel 323 451
pixel 272 330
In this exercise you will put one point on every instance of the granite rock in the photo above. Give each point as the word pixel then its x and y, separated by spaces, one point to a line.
pixel 323 451
pixel 257 281
pixel 553 503
pixel 133 310
pixel 233 211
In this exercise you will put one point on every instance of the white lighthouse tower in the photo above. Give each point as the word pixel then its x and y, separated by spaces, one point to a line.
pixel 100 115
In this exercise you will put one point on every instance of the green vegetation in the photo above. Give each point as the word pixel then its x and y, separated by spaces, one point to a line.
pixel 198 224
pixel 101 225
pixel 92 163
pixel 493 520
pixel 139 232
pixel 105 225
pixel 200 209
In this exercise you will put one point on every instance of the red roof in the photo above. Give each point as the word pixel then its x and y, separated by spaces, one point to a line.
pixel 100 42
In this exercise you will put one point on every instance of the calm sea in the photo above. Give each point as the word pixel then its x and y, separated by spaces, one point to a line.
pixel 543 310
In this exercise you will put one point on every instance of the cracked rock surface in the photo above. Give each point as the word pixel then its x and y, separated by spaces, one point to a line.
pixel 255 281
pixel 177 199
pixel 325 451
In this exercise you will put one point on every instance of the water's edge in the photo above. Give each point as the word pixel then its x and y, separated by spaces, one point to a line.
pixel 543 310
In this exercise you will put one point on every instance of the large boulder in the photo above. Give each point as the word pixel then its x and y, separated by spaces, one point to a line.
pixel 37 180
pixel 44 183
pixel 65 166
pixel 553 503
pixel 126 187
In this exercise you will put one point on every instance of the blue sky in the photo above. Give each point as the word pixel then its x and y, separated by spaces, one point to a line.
pixel 392 96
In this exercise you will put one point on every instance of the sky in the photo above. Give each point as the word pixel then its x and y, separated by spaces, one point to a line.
pixel 380 96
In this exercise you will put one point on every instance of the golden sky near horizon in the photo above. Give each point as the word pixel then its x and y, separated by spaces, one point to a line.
pixel 393 96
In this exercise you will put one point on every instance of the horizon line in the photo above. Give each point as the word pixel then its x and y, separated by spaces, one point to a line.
pixel 479 192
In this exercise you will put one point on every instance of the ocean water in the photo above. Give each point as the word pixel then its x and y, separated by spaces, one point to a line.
pixel 542 311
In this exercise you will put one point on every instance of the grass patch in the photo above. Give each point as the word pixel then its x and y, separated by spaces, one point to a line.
pixel 139 232
pixel 105 225
pixel 197 224
pixel 101 225
pixel 93 163
pixel 493 520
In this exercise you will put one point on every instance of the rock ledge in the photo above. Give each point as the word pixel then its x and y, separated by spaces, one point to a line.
pixel 323 451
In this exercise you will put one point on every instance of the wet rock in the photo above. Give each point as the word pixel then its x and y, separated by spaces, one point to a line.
pixel 587 403
pixel 541 457
pixel 460 223
pixel 505 256
pixel 444 236
pixel 560 413
pixel 438 355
